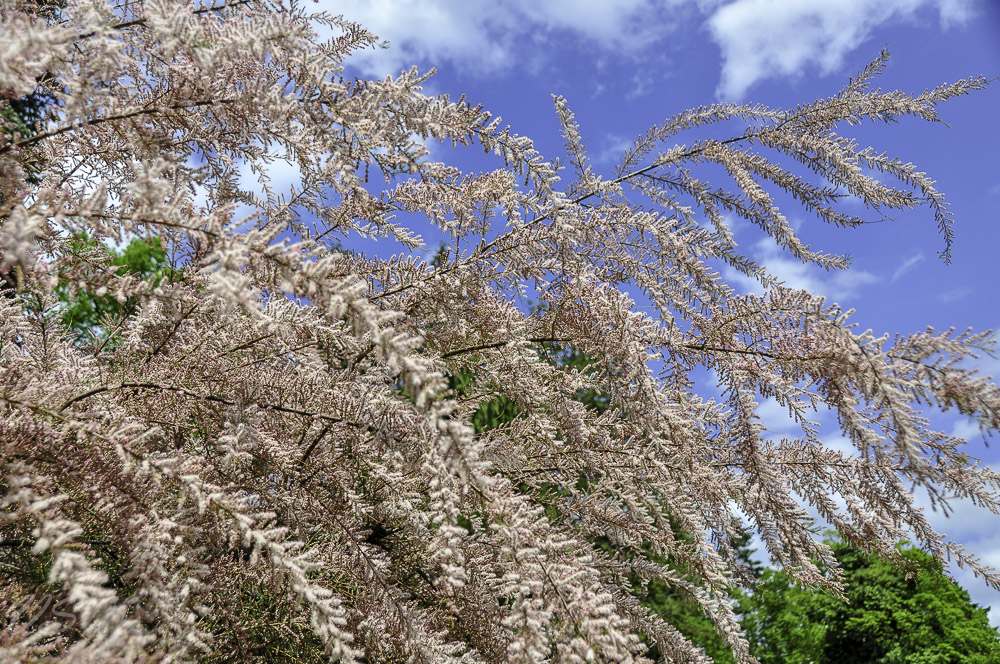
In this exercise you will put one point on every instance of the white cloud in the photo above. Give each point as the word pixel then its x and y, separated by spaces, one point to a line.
pixel 908 265
pixel 775 418
pixel 615 146
pixel 966 428
pixel 487 39
pixel 954 294
pixel 956 12
pixel 839 443
pixel 759 39
pixel 838 286
pixel 281 175
pixel 766 38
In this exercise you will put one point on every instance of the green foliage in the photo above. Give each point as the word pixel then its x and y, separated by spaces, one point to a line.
pixel 240 635
pixel 17 120
pixel 569 358
pixel 494 413
pixel 681 612
pixel 86 314
pixel 13 121
pixel 890 619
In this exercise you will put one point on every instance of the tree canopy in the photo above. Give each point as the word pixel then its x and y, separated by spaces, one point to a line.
pixel 895 614
pixel 265 456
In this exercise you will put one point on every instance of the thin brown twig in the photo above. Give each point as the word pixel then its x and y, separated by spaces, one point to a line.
pixel 183 105
pixel 210 397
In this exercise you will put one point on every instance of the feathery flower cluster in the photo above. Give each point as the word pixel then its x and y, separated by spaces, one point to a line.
pixel 276 417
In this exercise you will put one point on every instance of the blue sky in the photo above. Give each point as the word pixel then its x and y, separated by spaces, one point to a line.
pixel 628 64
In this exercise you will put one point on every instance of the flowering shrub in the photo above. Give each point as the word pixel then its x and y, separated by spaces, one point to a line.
pixel 264 449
